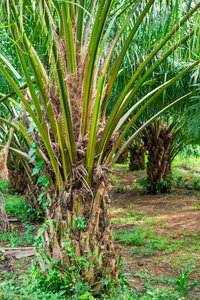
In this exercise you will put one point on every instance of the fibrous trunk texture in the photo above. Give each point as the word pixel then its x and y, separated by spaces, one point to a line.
pixel 159 160
pixel 4 223
pixel 123 158
pixel 18 179
pixel 93 242
pixel 137 158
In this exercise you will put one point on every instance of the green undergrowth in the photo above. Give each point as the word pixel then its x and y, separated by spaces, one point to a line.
pixel 16 238
pixel 4 186
pixel 182 285
pixel 147 242
pixel 15 204
pixel 191 162
pixel 179 251
pixel 131 217
pixel 121 168
pixel 185 175
pixel 28 286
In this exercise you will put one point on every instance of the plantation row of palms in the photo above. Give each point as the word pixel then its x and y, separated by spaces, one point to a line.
pixel 62 111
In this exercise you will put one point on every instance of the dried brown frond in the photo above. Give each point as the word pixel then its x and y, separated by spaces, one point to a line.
pixel 4 157
pixel 4 223
pixel 3 164
pixel 54 100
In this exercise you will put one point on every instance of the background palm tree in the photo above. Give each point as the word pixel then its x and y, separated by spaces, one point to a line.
pixel 65 102
pixel 156 24
pixel 137 156
pixel 163 139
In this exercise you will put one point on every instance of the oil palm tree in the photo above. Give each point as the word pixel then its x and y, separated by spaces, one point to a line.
pixel 137 155
pixel 65 105
pixel 164 139
pixel 166 136
pixel 170 68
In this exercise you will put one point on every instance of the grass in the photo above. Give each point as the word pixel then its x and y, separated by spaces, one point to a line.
pixel 114 210
pixel 14 204
pixel 136 236
pixel 190 163
pixel 186 174
pixel 129 218
pixel 28 287
pixel 121 168
pixel 4 186
pixel 152 242
pixel 183 161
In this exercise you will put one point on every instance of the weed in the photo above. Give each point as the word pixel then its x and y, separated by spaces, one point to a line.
pixel 196 185
pixel 196 206
pixel 131 205
pixel 179 181
pixel 149 249
pixel 121 168
pixel 137 236
pixel 114 179
pixel 16 238
pixel 126 220
pixel 28 235
pixel 164 186
pixel 183 285
pixel 136 185
pixel 130 214
pixel 13 238
pixel 116 210
pixel 121 189
pixel 161 293
pixel 134 250
pixel 79 222
pixel 141 216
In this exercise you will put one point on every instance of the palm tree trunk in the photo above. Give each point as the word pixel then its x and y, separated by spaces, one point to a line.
pixel 137 158
pixel 123 158
pixel 159 160
pixel 18 179
pixel 91 240
pixel 4 223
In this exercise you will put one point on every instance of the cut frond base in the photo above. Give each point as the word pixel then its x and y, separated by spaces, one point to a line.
pixel 79 231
